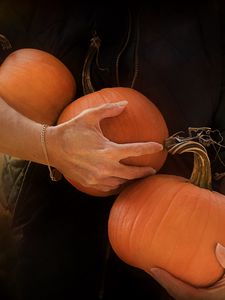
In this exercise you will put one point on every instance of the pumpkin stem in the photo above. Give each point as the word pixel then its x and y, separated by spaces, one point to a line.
pixel 201 173
pixel 86 76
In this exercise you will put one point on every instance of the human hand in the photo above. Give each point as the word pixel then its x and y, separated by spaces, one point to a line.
pixel 182 291
pixel 79 150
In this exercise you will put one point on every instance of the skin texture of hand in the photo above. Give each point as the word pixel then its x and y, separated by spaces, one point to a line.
pixel 182 291
pixel 79 150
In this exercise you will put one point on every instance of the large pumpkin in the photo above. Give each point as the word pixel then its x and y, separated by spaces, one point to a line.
pixel 171 222
pixel 37 84
pixel 141 121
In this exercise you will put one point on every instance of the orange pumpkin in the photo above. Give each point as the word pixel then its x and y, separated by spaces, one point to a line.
pixel 171 222
pixel 36 84
pixel 141 121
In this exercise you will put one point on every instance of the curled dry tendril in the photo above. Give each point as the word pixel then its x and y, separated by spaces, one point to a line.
pixel 203 135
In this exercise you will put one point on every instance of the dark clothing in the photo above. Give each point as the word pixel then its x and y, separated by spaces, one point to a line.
pixel 170 51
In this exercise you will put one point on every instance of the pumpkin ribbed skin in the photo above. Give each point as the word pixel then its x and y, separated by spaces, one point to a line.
pixel 165 221
pixel 141 121
pixel 36 84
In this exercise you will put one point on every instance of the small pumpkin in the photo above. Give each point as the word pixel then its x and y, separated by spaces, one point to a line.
pixel 37 84
pixel 141 121
pixel 171 222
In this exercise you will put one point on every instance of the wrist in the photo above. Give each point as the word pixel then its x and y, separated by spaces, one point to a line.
pixel 47 143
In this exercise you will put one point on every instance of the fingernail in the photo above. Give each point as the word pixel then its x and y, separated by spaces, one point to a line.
pixel 153 171
pixel 220 254
pixel 122 103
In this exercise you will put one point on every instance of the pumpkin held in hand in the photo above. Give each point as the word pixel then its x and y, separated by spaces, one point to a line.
pixel 171 222
pixel 141 121
pixel 36 84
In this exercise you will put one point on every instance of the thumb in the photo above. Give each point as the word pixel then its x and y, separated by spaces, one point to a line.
pixel 175 287
pixel 220 254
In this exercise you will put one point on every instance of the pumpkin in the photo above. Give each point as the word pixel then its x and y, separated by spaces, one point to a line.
pixel 36 84
pixel 141 121
pixel 171 222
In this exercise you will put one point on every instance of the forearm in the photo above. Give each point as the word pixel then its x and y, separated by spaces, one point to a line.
pixel 77 148
pixel 19 136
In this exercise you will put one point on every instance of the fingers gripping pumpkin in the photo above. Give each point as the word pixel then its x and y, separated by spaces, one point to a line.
pixel 141 121
pixel 36 84
pixel 171 222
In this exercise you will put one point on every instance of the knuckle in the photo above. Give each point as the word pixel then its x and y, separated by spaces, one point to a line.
pixel 107 105
pixel 102 171
pixel 106 150
pixel 108 153
pixel 91 180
